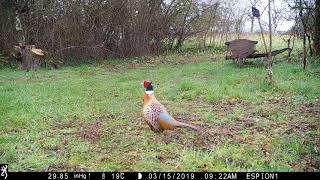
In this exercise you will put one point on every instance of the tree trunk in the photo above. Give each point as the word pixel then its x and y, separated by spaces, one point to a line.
pixel 180 41
pixel 304 52
pixel 310 44
pixel 316 45
pixel 269 66
pixel 27 56
pixel 290 47
pixel 264 41
pixel 18 26
pixel 304 36
pixel 252 21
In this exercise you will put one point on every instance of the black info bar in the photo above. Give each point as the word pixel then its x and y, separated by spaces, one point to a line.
pixel 159 175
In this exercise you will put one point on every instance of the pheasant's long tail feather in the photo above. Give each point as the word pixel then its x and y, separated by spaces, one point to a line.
pixel 185 125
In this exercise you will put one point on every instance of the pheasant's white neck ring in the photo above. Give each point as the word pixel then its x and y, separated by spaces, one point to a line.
pixel 149 92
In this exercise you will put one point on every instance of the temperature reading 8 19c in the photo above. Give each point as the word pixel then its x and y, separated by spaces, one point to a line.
pixel 117 175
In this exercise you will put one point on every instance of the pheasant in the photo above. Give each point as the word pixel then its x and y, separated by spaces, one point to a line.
pixel 156 115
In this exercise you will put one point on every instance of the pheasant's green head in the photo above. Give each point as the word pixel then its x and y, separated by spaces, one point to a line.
pixel 148 86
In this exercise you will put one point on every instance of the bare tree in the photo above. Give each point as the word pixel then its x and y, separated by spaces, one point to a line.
pixel 83 31
pixel 303 34
pixel 305 25
pixel 316 40
pixel 269 64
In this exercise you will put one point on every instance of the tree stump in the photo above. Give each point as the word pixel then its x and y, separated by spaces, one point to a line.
pixel 28 57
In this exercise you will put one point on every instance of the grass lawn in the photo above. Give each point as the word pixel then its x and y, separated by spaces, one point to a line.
pixel 89 117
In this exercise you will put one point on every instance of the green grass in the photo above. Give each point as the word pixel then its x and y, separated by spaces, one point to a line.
pixel 89 117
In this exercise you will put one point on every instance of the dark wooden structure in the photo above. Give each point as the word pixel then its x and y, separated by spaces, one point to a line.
pixel 241 49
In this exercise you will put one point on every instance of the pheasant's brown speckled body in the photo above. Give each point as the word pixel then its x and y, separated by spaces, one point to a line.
pixel 156 115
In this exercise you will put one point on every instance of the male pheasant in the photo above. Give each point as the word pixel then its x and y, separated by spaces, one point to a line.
pixel 156 115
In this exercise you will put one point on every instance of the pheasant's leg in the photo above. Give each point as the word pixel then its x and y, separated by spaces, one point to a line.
pixel 158 139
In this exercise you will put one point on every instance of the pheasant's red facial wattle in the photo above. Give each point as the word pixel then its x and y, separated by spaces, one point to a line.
pixel 146 84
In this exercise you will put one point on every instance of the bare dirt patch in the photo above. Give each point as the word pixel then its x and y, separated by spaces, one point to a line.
pixel 92 132
pixel 311 109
